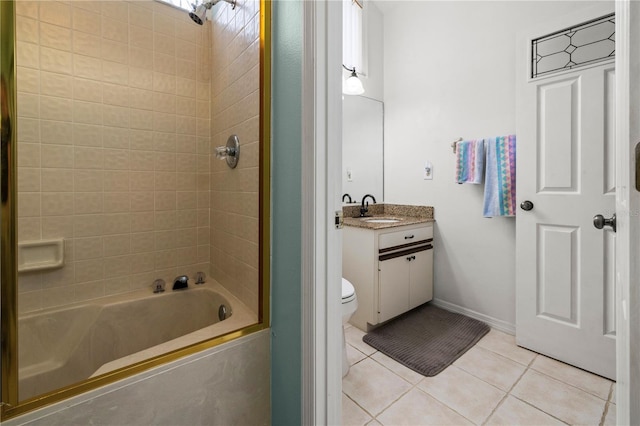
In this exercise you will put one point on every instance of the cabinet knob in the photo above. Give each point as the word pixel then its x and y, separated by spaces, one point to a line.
pixel 410 258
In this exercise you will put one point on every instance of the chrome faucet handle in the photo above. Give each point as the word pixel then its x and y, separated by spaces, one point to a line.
pixel 200 277
pixel 159 285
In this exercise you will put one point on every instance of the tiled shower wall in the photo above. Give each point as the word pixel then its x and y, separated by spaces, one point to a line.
pixel 114 143
pixel 235 104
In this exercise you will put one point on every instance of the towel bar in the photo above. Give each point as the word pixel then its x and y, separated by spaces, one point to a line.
pixel 455 143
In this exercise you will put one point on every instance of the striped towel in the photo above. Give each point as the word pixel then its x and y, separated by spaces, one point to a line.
pixel 469 161
pixel 500 179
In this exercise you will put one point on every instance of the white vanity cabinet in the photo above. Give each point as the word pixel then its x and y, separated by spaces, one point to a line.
pixel 390 268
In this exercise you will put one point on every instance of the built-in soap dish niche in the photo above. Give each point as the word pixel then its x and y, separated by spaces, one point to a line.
pixel 40 255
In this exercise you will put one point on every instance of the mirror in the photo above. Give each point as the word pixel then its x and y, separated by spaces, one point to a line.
pixel 362 148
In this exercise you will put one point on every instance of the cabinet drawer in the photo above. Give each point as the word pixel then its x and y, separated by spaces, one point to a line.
pixel 400 238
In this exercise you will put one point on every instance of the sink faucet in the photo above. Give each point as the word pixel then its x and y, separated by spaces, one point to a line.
pixel 364 209
pixel 348 197
pixel 180 282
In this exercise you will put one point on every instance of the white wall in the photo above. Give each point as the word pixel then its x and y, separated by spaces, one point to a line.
pixel 449 72
pixel 225 385
pixel 374 80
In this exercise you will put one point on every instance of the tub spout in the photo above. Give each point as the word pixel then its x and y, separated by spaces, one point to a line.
pixel 181 282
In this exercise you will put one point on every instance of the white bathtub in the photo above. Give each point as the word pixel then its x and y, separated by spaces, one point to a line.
pixel 62 346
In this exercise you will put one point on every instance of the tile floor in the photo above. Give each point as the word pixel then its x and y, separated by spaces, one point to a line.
pixel 494 383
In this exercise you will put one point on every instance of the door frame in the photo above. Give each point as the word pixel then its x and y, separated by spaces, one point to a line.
pixel 627 208
pixel 321 188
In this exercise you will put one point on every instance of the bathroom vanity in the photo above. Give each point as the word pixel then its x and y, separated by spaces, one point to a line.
pixel 389 260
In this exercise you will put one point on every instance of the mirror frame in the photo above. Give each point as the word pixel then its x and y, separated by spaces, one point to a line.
pixel 10 406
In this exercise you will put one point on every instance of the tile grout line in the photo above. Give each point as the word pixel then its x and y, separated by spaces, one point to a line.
pixel 508 392
pixel 607 405
pixel 528 367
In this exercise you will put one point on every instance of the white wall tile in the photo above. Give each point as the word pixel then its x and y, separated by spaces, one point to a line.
pixel 141 37
pixel 88 158
pixel 87 135
pixel 115 30
pixel 115 51
pixel 87 112
pixel 56 132
pixel 27 30
pixel 59 85
pixel 115 116
pixel 55 60
pixel 139 78
pixel 88 180
pixel 116 137
pixel 57 203
pixel 87 67
pixel 86 21
pixel 28 105
pixel 55 12
pixel 88 202
pixel 29 155
pixel 57 180
pixel 87 90
pixel 114 72
pixel 54 108
pixel 57 156
pixel 28 54
pixel 87 44
pixel 55 37
pixel 28 130
pixel 141 58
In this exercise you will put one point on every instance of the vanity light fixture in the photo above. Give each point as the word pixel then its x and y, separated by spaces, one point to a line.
pixel 352 85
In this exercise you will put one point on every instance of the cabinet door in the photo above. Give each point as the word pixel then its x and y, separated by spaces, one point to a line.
pixel 421 278
pixel 394 287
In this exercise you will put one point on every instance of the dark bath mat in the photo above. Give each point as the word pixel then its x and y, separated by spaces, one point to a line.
pixel 427 339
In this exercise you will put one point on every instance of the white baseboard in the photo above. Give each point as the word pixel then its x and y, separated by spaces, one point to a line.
pixel 492 322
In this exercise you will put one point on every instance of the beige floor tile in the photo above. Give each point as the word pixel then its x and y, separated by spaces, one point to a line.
pixel 352 415
pixel 354 338
pixel 374 423
pixel 418 408
pixel 466 394
pixel 406 373
pixel 353 355
pixel 372 386
pixel 610 418
pixel 562 401
pixel 494 369
pixel 505 344
pixel 595 385
pixel 514 412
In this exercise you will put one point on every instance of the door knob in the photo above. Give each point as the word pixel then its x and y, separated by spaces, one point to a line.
pixel 600 222
pixel 526 205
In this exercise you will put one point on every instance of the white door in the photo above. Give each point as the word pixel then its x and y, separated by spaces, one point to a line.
pixel 565 267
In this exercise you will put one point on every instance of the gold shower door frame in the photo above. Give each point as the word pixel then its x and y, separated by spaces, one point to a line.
pixel 10 406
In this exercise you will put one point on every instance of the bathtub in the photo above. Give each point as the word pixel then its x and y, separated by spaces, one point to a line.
pixel 62 346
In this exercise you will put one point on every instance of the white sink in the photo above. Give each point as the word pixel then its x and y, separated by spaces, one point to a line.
pixel 381 220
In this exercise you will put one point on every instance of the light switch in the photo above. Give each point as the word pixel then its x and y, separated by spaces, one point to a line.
pixel 349 175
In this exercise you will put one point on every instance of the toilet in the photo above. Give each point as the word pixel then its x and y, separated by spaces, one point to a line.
pixel 349 306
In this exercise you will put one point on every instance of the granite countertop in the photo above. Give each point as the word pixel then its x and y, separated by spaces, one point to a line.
pixel 405 214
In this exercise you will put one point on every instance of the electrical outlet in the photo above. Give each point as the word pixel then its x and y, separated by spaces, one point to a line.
pixel 428 171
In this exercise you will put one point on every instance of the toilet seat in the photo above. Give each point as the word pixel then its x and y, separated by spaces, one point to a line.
pixel 348 292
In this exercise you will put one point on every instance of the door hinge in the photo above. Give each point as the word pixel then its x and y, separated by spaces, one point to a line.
pixel 339 219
